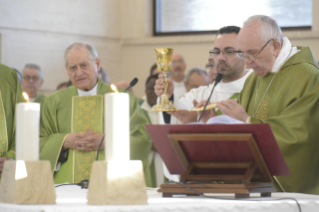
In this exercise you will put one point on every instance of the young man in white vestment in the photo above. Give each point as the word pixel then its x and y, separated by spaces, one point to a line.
pixel 227 63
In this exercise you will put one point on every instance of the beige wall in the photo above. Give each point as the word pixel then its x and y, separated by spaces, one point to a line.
pixel 38 31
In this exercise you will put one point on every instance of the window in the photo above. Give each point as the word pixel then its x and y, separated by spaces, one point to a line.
pixel 205 16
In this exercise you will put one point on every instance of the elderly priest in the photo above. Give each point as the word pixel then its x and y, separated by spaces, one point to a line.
pixel 72 120
pixel 284 92
pixel 10 95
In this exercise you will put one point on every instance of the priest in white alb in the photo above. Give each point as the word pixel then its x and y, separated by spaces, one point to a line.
pixel 228 64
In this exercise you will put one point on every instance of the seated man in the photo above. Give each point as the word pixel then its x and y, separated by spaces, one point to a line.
pixel 195 78
pixel 32 81
pixel 104 76
pixel 211 69
pixel 228 64
pixel 10 95
pixel 155 160
pixel 283 92
pixel 178 74
pixel 72 120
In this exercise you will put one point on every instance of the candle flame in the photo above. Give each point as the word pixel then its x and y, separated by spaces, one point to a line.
pixel 114 88
pixel 26 97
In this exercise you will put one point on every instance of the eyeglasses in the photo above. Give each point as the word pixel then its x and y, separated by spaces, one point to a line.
pixel 209 65
pixel 251 57
pixel 28 78
pixel 225 53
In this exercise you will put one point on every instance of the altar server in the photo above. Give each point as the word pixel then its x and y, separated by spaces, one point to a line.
pixel 227 63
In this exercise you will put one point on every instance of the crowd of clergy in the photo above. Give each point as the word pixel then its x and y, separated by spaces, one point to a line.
pixel 265 80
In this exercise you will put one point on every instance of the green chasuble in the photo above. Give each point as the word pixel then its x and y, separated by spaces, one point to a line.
pixel 64 112
pixel 10 95
pixel 39 98
pixel 291 107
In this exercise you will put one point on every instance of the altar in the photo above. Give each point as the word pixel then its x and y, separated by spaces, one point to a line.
pixel 73 198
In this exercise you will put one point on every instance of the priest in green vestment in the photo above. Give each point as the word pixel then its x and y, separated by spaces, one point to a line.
pixel 72 120
pixel 10 95
pixel 32 81
pixel 283 91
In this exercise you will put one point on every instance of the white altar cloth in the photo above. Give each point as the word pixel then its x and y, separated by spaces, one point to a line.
pixel 73 198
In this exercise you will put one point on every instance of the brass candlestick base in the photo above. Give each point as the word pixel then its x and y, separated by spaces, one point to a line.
pixel 164 65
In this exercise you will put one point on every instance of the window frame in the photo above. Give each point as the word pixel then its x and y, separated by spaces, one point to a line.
pixel 176 33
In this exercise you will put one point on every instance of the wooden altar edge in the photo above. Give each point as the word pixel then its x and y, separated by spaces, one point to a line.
pixel 240 191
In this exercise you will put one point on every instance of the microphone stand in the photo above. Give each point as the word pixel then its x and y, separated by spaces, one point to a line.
pixel 218 78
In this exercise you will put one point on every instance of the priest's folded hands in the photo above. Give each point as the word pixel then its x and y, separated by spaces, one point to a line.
pixel 233 109
pixel 86 141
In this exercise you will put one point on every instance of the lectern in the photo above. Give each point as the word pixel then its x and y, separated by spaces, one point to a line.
pixel 219 158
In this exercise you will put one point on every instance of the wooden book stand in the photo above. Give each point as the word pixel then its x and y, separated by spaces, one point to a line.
pixel 218 173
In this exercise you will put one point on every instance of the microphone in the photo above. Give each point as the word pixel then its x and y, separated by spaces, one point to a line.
pixel 98 150
pixel 217 80
pixel 132 83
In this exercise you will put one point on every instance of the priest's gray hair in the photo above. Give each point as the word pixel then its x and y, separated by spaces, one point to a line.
pixel 269 27
pixel 197 70
pixel 33 66
pixel 90 48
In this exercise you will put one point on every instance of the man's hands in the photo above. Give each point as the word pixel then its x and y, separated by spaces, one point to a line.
pixel 87 141
pixel 184 116
pixel 160 85
pixel 2 160
pixel 207 114
pixel 231 108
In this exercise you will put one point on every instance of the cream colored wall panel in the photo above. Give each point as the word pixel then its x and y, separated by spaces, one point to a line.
pixel 83 17
pixel 47 50
pixel 137 60
pixel 133 18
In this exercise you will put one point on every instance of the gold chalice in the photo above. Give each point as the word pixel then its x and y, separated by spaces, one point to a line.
pixel 164 65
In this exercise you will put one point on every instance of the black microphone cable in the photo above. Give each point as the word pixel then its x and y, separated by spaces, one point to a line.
pixel 98 150
pixel 217 80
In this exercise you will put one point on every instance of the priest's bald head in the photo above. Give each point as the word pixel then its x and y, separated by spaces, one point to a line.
pixel 82 63
pixel 260 41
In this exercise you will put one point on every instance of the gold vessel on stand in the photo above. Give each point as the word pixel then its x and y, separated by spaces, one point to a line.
pixel 164 65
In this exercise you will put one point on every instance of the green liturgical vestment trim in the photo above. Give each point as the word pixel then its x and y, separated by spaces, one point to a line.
pixel 56 124
pixel 291 108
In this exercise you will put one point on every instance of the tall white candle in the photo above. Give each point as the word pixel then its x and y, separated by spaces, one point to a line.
pixel 117 126
pixel 27 131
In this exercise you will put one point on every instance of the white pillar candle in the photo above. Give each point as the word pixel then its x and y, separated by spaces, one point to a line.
pixel 117 126
pixel 27 131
